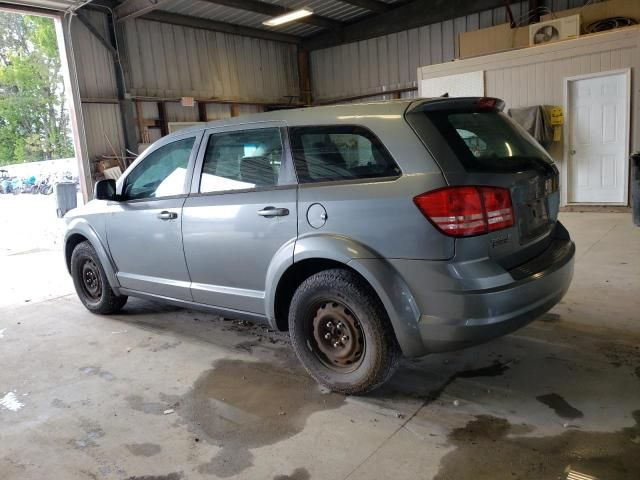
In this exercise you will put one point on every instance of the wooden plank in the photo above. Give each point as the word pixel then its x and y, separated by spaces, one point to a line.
pixel 304 76
pixel 162 113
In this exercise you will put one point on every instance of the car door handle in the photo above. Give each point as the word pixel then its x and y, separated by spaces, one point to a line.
pixel 270 212
pixel 165 215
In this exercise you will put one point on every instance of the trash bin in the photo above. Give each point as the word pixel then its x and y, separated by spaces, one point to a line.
pixel 66 198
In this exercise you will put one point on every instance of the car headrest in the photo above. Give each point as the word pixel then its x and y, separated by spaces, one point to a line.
pixel 329 154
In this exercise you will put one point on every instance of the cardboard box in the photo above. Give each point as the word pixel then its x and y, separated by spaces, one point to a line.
pixel 492 40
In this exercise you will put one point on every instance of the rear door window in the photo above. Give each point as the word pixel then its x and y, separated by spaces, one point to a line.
pixel 338 152
pixel 484 141
pixel 242 160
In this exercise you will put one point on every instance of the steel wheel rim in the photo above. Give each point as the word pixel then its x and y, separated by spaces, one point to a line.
pixel 90 279
pixel 337 340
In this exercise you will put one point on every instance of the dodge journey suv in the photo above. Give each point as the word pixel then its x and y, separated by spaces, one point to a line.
pixel 367 231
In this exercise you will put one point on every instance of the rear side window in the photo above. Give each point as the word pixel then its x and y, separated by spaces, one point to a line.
pixel 242 160
pixel 331 153
pixel 484 141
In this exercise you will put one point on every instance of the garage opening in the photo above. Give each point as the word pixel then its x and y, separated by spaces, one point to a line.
pixel 38 166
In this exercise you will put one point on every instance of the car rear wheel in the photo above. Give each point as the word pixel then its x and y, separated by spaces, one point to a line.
pixel 91 282
pixel 341 333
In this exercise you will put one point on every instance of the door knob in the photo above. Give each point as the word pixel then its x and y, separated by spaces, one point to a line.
pixel 572 151
pixel 165 215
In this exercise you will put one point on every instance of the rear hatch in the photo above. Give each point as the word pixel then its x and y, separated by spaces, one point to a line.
pixel 476 144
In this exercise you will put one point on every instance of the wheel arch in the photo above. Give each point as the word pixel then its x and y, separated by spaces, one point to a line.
pixel 80 231
pixel 312 255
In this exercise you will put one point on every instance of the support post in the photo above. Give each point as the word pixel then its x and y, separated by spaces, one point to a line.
pixel 162 113
pixel 304 76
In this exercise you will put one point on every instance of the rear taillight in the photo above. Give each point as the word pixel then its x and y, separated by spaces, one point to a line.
pixel 467 210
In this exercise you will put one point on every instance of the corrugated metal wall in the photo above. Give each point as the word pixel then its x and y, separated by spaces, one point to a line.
pixel 167 61
pixel 170 61
pixel 390 62
pixel 96 80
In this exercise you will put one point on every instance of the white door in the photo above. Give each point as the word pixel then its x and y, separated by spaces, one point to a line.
pixel 598 133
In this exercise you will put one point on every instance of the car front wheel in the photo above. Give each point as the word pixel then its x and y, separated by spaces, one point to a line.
pixel 90 282
pixel 341 333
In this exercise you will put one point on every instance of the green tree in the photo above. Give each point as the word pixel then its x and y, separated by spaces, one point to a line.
pixel 34 122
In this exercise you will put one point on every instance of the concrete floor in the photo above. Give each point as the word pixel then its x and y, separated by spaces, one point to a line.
pixel 163 393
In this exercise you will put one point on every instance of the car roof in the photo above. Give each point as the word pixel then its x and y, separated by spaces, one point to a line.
pixel 348 113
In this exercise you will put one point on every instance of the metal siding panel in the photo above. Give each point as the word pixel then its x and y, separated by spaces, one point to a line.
pixel 383 61
pixel 413 40
pixel 172 61
pixel 436 43
pixel 94 63
pixel 102 122
pixel 425 45
pixel 352 68
pixel 363 66
pixel 392 55
pixel 459 26
pixel 486 19
pixel 374 74
pixel 448 41
pixel 473 22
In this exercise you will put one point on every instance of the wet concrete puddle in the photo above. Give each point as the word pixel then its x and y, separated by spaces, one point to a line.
pixel 241 405
pixel 485 450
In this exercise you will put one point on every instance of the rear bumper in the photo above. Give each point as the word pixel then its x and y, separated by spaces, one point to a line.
pixel 464 305
pixel 486 314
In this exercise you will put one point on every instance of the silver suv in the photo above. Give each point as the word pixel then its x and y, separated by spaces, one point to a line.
pixel 366 231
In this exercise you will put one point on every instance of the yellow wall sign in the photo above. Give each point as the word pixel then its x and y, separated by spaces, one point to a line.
pixel 557 116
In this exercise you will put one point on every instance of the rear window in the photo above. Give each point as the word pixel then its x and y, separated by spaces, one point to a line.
pixel 486 141
pixel 331 153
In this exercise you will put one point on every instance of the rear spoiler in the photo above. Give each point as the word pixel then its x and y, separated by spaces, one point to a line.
pixel 458 104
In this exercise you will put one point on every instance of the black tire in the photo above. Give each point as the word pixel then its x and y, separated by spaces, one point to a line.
pixel 91 283
pixel 342 297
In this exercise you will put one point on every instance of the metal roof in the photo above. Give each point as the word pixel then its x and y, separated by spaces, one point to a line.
pixel 333 9
pixel 340 11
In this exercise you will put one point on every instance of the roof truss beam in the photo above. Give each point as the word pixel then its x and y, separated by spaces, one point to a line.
pixel 273 10
pixel 372 5
pixel 136 8
pixel 415 13
pixel 213 25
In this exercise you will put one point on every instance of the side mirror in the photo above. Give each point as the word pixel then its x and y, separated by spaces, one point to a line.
pixel 105 190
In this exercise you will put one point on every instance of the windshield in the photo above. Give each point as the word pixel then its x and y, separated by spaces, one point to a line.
pixel 487 141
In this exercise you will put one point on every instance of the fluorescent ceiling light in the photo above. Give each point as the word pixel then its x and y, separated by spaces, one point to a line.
pixel 288 17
